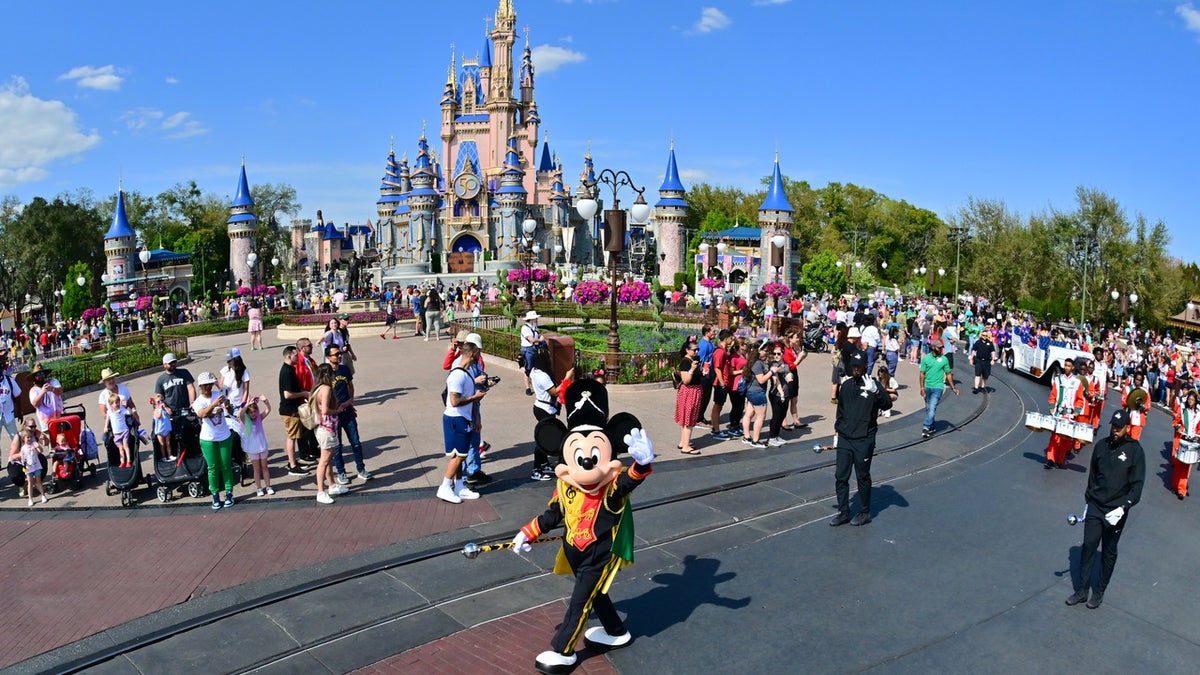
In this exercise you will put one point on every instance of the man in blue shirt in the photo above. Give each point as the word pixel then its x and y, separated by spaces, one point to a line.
pixel 707 375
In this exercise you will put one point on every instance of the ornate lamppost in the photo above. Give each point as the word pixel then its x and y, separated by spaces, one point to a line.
pixel 614 243
pixel 529 227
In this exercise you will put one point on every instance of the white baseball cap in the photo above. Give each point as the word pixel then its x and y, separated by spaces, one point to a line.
pixel 169 358
pixel 206 378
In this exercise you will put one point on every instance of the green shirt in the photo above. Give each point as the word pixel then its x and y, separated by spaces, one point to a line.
pixel 935 369
pixel 973 330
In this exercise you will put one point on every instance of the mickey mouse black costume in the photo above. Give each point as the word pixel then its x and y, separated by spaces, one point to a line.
pixel 591 500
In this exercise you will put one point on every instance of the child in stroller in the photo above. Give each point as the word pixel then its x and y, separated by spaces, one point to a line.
pixel 162 427
pixel 119 425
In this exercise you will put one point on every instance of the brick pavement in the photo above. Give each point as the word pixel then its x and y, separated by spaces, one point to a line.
pixel 96 573
pixel 506 645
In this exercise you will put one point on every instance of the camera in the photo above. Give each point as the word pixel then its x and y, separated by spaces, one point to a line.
pixel 493 381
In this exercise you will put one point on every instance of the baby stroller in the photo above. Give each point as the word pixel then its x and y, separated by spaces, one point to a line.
pixel 70 464
pixel 187 468
pixel 123 479
pixel 815 335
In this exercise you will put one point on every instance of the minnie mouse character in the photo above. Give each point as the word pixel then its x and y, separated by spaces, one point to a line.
pixel 591 500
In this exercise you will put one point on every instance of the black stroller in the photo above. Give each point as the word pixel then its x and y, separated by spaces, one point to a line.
pixel 123 479
pixel 184 470
pixel 816 335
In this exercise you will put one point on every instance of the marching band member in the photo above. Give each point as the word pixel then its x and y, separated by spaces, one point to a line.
pixel 1187 425
pixel 1138 412
pixel 1099 374
pixel 1067 400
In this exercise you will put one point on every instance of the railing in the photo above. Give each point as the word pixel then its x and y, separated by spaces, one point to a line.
pixel 636 367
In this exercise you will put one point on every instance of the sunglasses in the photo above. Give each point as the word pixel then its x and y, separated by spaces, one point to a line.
pixel 334 354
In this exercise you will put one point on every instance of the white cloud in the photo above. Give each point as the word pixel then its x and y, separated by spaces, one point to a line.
pixel 692 176
pixel 548 58
pixel 1190 16
pixel 182 127
pixel 178 124
pixel 35 132
pixel 711 19
pixel 104 77
pixel 172 80
pixel 140 118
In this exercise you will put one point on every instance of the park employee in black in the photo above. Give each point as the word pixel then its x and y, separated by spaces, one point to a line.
pixel 859 400
pixel 1114 485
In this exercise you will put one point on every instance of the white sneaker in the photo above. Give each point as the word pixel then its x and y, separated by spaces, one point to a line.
pixel 43 499
pixel 446 494
pixel 887 413
pixel 467 493
pixel 336 489
pixel 776 442
pixel 324 498
pixel 31 501
pixel 270 490
pixel 259 492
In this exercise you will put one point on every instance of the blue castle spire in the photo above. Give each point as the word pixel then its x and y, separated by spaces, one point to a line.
pixel 547 163
pixel 671 180
pixel 120 224
pixel 242 198
pixel 776 196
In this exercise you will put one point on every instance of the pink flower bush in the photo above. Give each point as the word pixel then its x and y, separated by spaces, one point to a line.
pixel 243 291
pixel 591 292
pixel 522 275
pixel 709 282
pixel 632 292
pixel 775 290
pixel 144 302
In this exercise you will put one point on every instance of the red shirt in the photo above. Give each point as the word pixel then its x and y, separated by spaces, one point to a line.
pixel 723 366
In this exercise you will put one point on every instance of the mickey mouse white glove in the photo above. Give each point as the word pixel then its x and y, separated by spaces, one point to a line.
pixel 1113 517
pixel 640 448
pixel 520 543
pixel 870 385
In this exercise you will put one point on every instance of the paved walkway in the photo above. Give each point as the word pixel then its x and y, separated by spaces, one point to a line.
pixel 104 566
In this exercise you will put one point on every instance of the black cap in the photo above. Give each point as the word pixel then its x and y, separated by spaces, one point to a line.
pixel 857 358
pixel 1119 420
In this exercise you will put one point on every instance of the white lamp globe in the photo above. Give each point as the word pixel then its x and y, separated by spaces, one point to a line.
pixel 144 256
pixel 81 280
pixel 587 208
pixel 529 226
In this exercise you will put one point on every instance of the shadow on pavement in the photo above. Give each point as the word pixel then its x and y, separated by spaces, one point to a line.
pixel 678 595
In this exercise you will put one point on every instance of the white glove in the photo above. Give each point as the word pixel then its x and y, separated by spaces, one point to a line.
pixel 1113 517
pixel 640 448
pixel 871 386
pixel 520 543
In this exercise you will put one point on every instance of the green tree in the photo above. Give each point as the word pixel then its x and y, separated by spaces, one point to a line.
pixel 822 274
pixel 36 246
pixel 77 298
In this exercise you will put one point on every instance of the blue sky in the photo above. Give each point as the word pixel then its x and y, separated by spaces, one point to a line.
pixel 931 102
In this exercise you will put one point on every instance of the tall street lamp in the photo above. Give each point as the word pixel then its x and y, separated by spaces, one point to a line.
pixel 614 243
pixel 251 260
pixel 529 227
pixel 777 243
pixel 144 256
pixel 1127 303
pixel 958 234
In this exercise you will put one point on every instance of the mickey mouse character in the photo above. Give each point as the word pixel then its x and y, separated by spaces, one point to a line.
pixel 591 500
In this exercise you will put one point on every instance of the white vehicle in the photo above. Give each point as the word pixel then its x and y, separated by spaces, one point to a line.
pixel 1040 363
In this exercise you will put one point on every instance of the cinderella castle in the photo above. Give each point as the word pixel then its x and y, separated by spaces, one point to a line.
pixel 467 201
pixel 486 195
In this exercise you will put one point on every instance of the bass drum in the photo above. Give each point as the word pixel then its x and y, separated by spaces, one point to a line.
pixel 1189 451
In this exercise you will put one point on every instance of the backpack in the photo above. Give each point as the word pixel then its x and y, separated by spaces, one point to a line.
pixel 307 412
pixel 743 384
pixel 446 390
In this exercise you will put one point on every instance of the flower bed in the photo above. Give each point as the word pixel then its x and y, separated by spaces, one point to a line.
pixel 400 313
pixel 591 292
pixel 632 292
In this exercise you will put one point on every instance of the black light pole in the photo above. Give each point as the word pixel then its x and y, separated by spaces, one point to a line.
pixel 528 227
pixel 614 226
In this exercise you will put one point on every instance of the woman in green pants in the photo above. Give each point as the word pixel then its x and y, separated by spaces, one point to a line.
pixel 215 440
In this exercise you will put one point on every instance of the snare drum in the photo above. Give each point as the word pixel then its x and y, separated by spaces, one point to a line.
pixel 1189 451
pixel 1083 433
pixel 1047 421
pixel 1033 421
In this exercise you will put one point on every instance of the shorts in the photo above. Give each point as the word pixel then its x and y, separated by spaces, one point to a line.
pixel 456 433
pixel 756 397
pixel 34 474
pixel 10 426
pixel 719 395
pixel 983 369
pixel 121 437
pixel 254 456
pixel 292 426
pixel 326 439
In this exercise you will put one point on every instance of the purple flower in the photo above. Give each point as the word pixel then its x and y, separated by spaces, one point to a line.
pixel 591 292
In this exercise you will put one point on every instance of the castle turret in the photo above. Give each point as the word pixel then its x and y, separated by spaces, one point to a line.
pixel 775 218
pixel 242 227
pixel 389 200
pixel 527 73
pixel 120 247
pixel 511 197
pixel 423 201
pixel 670 214
pixel 449 94
pixel 485 67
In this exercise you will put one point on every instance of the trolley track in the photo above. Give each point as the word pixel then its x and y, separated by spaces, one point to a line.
pixel 102 656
